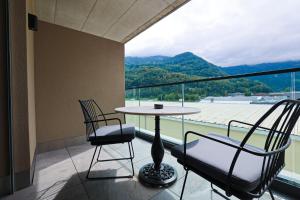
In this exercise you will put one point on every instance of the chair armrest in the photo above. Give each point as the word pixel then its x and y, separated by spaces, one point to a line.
pixel 113 113
pixel 108 114
pixel 246 123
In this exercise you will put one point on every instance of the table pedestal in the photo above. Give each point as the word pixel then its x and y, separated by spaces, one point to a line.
pixel 157 173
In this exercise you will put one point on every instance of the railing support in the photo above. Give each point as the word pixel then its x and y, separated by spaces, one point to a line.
pixel 182 117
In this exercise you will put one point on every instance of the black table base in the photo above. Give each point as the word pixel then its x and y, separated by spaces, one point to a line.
pixel 163 177
pixel 157 173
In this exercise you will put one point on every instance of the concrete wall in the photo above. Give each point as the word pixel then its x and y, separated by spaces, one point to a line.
pixel 30 8
pixel 19 92
pixel 71 65
pixel 23 105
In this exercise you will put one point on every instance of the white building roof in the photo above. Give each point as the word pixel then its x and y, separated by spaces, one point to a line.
pixel 222 113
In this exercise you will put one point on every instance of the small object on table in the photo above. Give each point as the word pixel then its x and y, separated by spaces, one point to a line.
pixel 158 106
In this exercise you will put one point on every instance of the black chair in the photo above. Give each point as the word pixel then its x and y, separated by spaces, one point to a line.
pixel 106 134
pixel 238 168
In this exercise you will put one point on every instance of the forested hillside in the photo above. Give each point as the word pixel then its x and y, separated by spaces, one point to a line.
pixel 186 66
pixel 278 82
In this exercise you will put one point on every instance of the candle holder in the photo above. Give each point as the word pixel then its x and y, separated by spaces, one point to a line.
pixel 158 106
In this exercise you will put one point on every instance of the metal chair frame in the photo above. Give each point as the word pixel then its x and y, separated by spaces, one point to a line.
pixel 277 141
pixel 91 116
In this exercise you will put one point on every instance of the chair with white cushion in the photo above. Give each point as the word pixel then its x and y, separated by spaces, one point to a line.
pixel 103 134
pixel 241 169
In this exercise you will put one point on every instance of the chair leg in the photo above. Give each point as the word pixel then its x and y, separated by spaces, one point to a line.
pixel 131 157
pixel 131 152
pixel 99 153
pixel 271 194
pixel 87 176
pixel 186 174
pixel 219 193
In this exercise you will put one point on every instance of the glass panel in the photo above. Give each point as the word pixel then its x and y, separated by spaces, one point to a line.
pixel 243 99
pixel 292 170
pixel 132 99
pixel 224 100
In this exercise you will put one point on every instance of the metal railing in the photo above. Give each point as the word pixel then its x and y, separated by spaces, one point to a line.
pixel 137 89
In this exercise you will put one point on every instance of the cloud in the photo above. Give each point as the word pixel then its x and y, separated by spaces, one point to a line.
pixel 227 32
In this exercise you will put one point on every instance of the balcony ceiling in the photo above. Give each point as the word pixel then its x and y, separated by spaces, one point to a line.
pixel 118 20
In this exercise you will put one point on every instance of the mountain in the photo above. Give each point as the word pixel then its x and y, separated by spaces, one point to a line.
pixel 144 60
pixel 189 64
pixel 186 66
pixel 243 69
pixel 186 63
pixel 151 75
pixel 277 82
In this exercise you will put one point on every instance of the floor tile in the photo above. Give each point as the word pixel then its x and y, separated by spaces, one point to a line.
pixel 123 189
pixel 44 160
pixel 198 188
pixel 60 170
pixel 165 195
pixel 194 184
pixel 142 149
pixel 82 160
pixel 33 192
pixel 28 193
pixel 76 192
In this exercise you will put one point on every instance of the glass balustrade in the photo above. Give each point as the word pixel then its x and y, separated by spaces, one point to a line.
pixel 243 99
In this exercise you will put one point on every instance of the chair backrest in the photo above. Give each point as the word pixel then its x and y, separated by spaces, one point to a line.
pixel 91 112
pixel 278 136
pixel 283 123
pixel 287 113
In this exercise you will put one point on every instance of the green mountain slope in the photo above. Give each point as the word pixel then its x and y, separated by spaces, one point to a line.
pixel 183 67
pixel 154 75
pixel 145 60
pixel 278 82
pixel 185 63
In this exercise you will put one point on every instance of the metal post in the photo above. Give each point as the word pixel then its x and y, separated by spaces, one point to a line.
pixel 295 130
pixel 145 122
pixel 293 86
pixel 182 118
pixel 139 98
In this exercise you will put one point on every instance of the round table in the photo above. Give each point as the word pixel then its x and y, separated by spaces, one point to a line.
pixel 157 173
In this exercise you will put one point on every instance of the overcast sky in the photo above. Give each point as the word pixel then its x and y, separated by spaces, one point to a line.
pixel 226 32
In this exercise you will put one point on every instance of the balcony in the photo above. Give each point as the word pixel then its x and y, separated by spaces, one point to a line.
pixel 78 53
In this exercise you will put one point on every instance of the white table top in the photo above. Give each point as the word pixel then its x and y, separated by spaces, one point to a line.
pixel 149 110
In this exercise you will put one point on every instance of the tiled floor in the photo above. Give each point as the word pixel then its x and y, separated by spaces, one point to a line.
pixel 60 175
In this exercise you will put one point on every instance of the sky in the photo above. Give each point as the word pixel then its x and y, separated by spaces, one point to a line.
pixel 226 32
